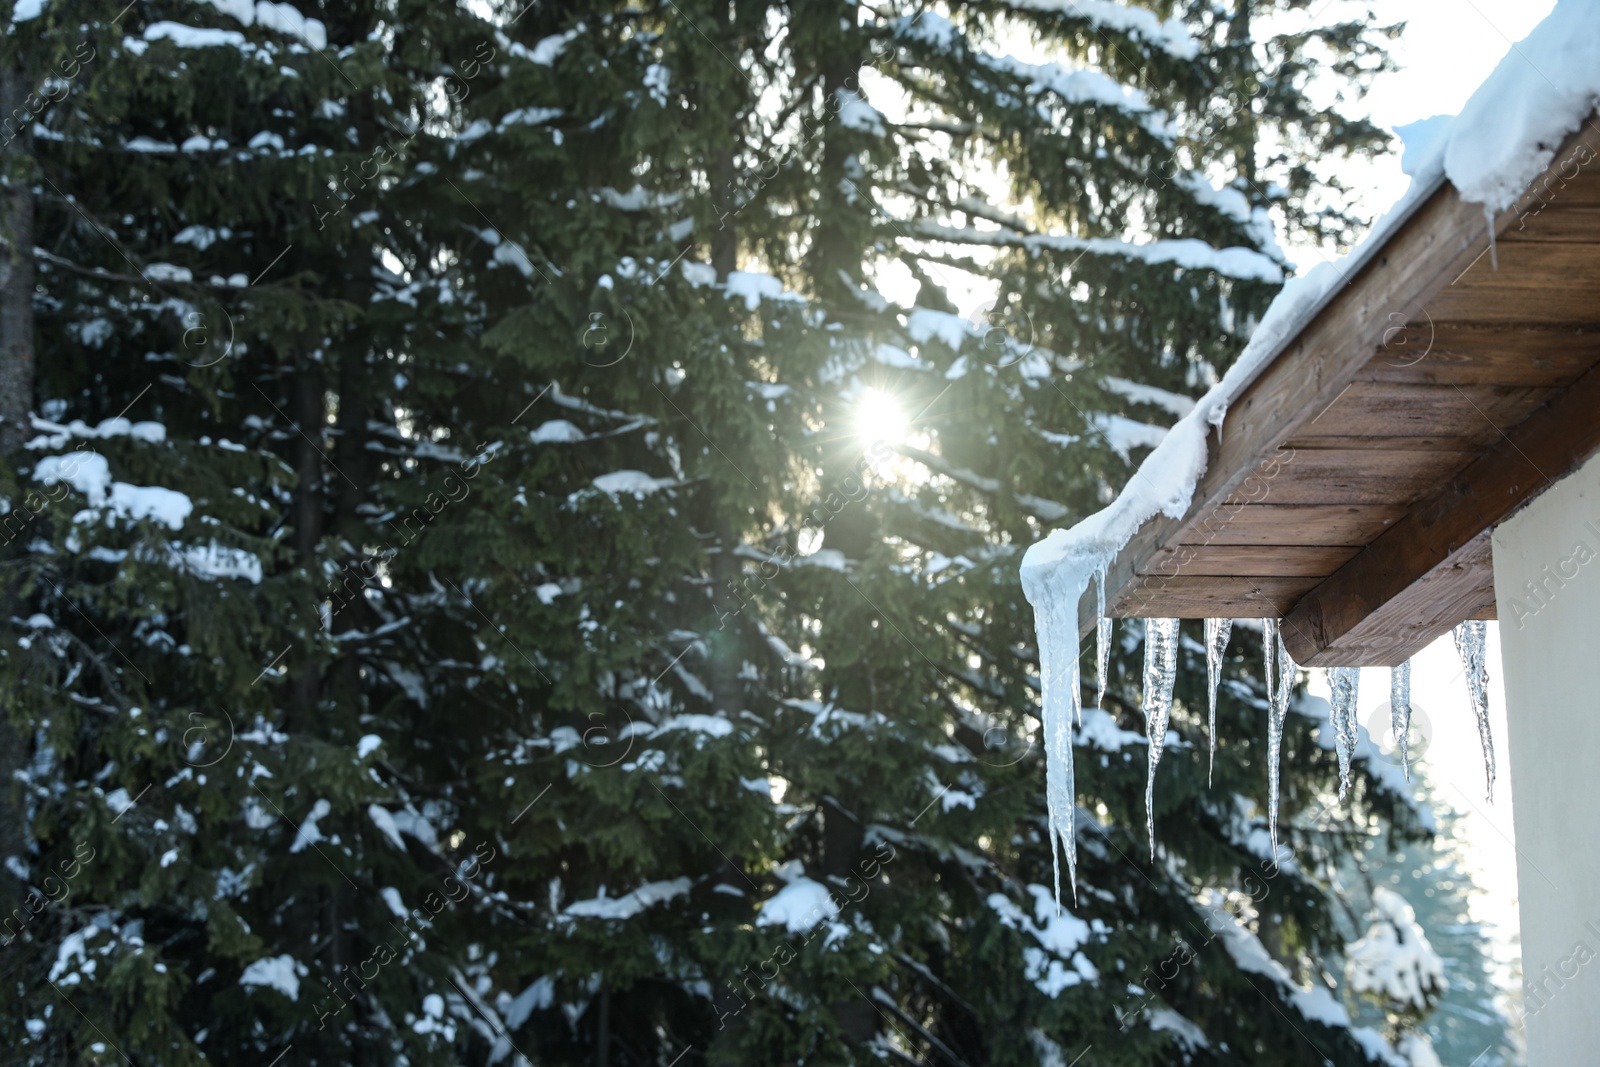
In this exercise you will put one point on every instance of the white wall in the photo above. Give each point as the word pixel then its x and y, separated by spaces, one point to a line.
pixel 1547 588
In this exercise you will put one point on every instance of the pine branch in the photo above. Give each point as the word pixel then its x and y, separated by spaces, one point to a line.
pixel 1040 508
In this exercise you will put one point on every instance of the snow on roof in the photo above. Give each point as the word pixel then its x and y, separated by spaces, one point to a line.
pixel 1543 90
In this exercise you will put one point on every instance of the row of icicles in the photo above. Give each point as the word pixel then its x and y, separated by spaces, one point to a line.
pixel 1056 618
pixel 1160 672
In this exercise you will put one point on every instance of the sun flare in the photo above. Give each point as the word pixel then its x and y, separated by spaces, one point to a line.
pixel 879 417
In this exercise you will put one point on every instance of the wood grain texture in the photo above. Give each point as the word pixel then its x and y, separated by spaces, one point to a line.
pixel 1200 597
pixel 1336 475
pixel 1454 353
pixel 1351 525
pixel 1393 409
pixel 1249 561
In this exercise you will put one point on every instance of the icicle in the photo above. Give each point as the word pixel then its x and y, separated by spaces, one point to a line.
pixel 1400 711
pixel 1102 641
pixel 1343 684
pixel 1469 643
pixel 1160 671
pixel 1269 650
pixel 1280 670
pixel 1055 618
pixel 1217 633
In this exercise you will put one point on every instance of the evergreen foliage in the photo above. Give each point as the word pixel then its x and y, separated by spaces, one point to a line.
pixel 475 603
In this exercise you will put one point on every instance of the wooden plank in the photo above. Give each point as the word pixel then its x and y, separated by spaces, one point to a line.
pixel 1200 597
pixel 1357 475
pixel 1250 561
pixel 1384 443
pixel 1524 282
pixel 1524 265
pixel 1462 588
pixel 1399 409
pixel 1351 525
pixel 1542 449
pixel 1454 353
pixel 1558 223
pixel 1440 240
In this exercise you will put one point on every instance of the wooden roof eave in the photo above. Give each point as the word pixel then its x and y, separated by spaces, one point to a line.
pixel 1417 569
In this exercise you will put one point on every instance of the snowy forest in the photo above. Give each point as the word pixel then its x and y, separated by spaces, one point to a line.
pixel 511 521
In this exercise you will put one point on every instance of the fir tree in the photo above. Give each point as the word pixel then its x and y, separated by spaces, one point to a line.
pixel 239 826
pixel 594 635
pixel 1437 880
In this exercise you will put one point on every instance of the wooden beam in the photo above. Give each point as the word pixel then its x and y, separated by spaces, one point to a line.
pixel 1530 457
pixel 1461 588
pixel 1200 597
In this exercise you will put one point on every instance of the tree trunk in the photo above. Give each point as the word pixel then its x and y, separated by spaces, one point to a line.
pixel 308 411
pixel 16 393
pixel 16 271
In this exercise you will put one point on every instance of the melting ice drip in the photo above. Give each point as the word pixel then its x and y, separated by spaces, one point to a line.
pixel 1400 712
pixel 1344 685
pixel 1279 670
pixel 1160 672
pixel 1469 644
pixel 1217 633
pixel 1102 641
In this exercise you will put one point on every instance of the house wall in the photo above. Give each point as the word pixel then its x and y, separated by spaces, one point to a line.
pixel 1547 589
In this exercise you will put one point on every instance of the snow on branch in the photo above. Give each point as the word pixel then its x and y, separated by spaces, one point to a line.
pixel 1188 253
pixel 1072 86
pixel 1169 36
pixel 1315 1003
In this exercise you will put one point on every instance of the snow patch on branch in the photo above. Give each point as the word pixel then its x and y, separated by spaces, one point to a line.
pixel 1170 36
pixel 856 114
pixel 626 907
pixel 1394 959
pixel 798 906
pixel 283 18
pixel 275 972
pixel 1315 1003
pixel 90 475
pixel 1188 253
pixel 1140 393
pixel 1124 434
